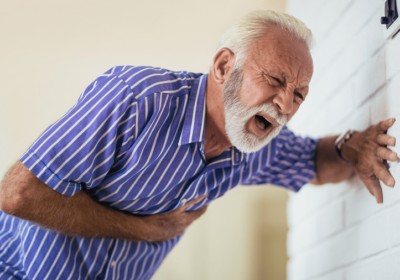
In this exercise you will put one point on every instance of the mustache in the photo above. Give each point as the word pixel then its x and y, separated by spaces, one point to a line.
pixel 267 108
pixel 270 109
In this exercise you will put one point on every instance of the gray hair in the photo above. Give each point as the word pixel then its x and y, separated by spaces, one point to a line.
pixel 253 26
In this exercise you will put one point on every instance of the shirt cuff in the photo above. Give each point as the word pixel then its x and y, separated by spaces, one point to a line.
pixel 47 176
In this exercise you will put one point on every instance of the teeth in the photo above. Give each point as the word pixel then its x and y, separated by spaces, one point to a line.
pixel 260 123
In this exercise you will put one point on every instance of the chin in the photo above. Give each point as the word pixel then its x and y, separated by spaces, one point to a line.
pixel 248 142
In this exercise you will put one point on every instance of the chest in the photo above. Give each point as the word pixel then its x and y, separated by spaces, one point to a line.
pixel 158 179
pixel 156 172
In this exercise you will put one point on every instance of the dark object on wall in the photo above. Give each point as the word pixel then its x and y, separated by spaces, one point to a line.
pixel 391 13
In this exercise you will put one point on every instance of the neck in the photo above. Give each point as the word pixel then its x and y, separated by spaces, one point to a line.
pixel 216 140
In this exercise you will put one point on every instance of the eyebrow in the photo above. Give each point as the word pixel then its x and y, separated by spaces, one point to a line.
pixel 285 76
pixel 302 88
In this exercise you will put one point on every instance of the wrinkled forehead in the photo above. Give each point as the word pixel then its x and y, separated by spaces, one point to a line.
pixel 282 52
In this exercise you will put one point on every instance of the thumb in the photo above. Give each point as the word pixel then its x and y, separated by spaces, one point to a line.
pixel 194 201
pixel 194 215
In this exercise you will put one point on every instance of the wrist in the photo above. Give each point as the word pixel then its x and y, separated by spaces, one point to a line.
pixel 345 151
pixel 348 150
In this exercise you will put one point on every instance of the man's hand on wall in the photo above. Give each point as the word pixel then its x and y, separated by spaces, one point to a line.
pixel 368 153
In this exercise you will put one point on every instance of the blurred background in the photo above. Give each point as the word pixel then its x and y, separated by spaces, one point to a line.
pixel 51 51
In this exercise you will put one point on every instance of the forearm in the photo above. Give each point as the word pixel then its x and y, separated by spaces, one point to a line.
pixel 329 166
pixel 78 215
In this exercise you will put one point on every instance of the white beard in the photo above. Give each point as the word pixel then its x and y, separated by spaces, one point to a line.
pixel 238 115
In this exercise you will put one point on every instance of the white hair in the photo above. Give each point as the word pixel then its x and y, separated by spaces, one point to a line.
pixel 254 25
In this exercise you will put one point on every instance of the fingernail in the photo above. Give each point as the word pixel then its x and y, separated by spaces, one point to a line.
pixel 389 182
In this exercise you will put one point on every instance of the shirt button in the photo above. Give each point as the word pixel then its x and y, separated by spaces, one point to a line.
pixel 183 200
pixel 113 263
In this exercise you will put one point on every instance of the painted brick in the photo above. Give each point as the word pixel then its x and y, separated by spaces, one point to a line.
pixel 393 96
pixel 319 226
pixel 359 205
pixel 296 8
pixel 375 36
pixel 384 266
pixel 319 127
pixel 393 57
pixel 302 236
pixel 379 106
pixel 328 15
pixel 359 120
pixel 353 57
pixel 344 247
pixel 370 77
pixel 300 268
pixel 373 235
pixel 336 275
pixel 346 53
pixel 309 198
pixel 386 103
pixel 338 231
pixel 340 250
pixel 339 189
pixel 330 220
pixel 346 28
pixel 342 104
pixel 394 231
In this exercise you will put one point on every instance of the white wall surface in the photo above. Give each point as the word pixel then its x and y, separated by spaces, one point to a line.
pixel 338 231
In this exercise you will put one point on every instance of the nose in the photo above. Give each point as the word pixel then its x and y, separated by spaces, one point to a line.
pixel 284 102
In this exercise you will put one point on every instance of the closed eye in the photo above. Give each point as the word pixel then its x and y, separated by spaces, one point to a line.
pixel 299 95
pixel 275 79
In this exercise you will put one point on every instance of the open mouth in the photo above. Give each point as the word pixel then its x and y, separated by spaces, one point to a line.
pixel 262 122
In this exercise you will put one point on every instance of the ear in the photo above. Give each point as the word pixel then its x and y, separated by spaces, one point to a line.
pixel 223 64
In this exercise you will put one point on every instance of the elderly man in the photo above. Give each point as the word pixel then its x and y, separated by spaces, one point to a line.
pixel 107 191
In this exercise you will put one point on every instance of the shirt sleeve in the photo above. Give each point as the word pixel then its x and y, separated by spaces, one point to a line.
pixel 288 161
pixel 82 146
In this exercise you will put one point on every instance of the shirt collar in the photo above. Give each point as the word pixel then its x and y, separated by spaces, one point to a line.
pixel 195 116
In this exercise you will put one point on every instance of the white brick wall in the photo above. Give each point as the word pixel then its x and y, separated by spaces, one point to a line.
pixel 337 231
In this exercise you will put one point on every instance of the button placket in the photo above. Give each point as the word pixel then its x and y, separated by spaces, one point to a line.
pixel 236 156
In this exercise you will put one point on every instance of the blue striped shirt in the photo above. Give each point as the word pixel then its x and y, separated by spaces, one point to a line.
pixel 135 142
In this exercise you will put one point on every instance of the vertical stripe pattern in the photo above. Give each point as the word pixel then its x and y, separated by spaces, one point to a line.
pixel 135 140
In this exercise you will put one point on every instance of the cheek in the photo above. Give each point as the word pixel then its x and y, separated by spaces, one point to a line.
pixel 295 108
pixel 256 94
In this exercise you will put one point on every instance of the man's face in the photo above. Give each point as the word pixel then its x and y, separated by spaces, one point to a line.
pixel 265 93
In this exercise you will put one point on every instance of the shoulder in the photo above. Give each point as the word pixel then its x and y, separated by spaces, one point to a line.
pixel 146 80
